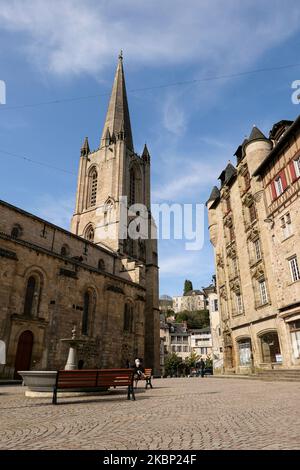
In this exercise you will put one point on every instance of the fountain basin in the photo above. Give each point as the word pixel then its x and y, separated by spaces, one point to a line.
pixel 39 380
pixel 40 383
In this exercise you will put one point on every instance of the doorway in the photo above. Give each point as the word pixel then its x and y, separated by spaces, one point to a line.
pixel 270 347
pixel 24 352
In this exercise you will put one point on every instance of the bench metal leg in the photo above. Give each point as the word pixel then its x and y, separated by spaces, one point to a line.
pixel 54 398
pixel 148 382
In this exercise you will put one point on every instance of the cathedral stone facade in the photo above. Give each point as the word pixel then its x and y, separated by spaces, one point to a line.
pixel 254 220
pixel 94 277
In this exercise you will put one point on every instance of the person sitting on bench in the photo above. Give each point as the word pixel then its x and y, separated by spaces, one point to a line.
pixel 138 371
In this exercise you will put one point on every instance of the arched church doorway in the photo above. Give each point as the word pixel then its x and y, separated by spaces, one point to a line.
pixel 24 351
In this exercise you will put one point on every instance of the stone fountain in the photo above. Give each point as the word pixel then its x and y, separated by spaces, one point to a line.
pixel 41 382
pixel 72 362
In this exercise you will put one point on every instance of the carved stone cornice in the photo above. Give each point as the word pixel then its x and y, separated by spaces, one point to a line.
pixel 231 250
pixel 253 233
pixel 223 293
pixel 235 286
pixel 228 221
pixel 220 260
pixel 248 199
pixel 258 272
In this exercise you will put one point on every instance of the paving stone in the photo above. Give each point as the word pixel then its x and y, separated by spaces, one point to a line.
pixel 176 414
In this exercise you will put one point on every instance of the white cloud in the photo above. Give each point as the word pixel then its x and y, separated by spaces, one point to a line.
pixel 58 210
pixel 174 119
pixel 182 177
pixel 72 36
pixel 193 179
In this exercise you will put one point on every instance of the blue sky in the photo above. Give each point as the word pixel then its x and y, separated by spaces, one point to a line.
pixel 58 50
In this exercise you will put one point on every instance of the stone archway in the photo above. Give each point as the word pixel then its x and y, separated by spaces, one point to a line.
pixel 270 347
pixel 24 352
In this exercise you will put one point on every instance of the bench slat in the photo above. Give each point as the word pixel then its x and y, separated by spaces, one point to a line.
pixel 91 379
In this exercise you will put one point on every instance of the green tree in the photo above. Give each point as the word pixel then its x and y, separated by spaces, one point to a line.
pixel 192 360
pixel 208 361
pixel 196 320
pixel 187 286
pixel 172 362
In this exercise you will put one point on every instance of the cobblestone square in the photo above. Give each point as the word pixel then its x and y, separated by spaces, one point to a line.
pixel 187 413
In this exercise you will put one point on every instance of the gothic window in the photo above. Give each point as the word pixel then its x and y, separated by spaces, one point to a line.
pixel 93 183
pixel 16 231
pixel 132 188
pixel 128 317
pixel 90 233
pixel 101 265
pixel 29 296
pixel 86 313
pixel 142 250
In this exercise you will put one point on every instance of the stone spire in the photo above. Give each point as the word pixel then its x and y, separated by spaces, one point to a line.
pixel 117 120
pixel 146 154
pixel 85 149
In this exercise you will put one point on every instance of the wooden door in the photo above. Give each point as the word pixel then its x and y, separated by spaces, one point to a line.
pixel 24 351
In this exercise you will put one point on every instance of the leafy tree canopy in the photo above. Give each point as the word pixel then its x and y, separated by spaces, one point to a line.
pixel 172 362
pixel 187 286
pixel 192 359
pixel 195 320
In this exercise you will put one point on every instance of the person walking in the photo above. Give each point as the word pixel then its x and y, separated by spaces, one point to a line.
pixel 202 367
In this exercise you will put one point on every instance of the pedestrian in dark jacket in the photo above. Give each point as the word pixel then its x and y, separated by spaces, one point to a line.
pixel 202 367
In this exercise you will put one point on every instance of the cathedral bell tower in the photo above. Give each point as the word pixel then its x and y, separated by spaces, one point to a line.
pixel 107 175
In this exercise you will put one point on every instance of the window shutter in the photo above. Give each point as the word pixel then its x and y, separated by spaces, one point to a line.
pixel 292 170
pixel 283 179
pixel 273 189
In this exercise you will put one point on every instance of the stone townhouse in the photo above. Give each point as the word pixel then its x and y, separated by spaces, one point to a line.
pixel 192 301
pixel 254 220
pixel 105 284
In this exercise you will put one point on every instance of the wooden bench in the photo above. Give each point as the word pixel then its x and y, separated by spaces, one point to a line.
pixel 147 378
pixel 91 380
